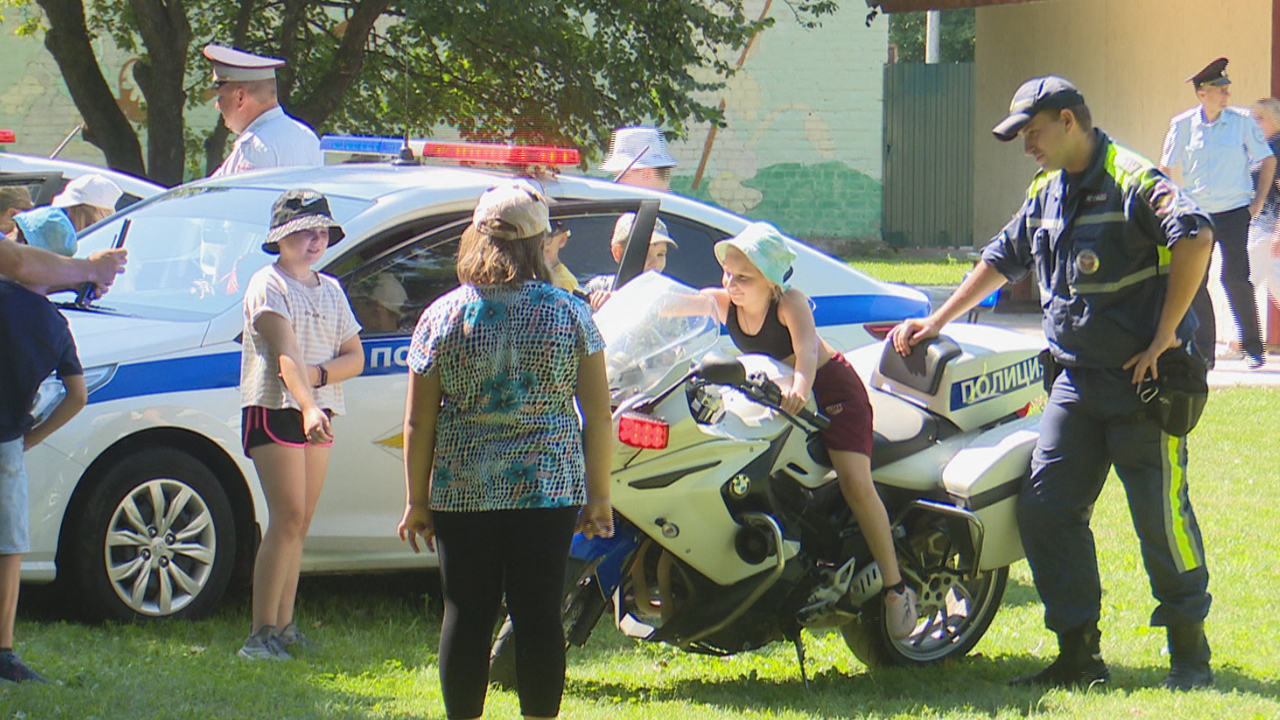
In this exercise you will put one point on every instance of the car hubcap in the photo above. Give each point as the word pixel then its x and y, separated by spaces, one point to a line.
pixel 160 547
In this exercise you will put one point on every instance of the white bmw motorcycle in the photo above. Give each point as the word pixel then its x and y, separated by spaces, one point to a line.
pixel 731 531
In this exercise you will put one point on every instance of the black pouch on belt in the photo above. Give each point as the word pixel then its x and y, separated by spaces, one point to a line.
pixel 1051 368
pixel 1178 397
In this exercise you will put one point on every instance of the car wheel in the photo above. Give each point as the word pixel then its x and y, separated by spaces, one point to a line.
pixel 155 539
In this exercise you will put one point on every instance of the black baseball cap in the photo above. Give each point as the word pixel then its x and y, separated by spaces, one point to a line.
pixel 1043 93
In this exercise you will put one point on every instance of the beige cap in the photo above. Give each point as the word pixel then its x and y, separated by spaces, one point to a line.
pixel 231 65
pixel 512 211
pixel 622 229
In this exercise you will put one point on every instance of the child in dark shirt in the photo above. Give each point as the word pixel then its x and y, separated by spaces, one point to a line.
pixel 37 341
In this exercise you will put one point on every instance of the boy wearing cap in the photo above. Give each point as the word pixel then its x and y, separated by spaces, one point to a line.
pixel 638 156
pixel 599 288
pixel 1119 251
pixel 301 340
pixel 245 85
pixel 37 342
pixel 1215 145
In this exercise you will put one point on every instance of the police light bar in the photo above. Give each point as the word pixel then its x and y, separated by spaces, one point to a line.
pixel 8 136
pixel 461 150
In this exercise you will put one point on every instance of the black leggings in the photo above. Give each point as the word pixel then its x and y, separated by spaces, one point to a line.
pixel 481 554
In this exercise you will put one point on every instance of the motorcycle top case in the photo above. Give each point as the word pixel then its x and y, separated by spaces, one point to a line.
pixel 971 375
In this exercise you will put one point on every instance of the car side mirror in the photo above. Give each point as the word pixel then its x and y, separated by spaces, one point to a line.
pixel 721 370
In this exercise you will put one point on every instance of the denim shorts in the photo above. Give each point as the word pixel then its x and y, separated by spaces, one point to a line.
pixel 15 538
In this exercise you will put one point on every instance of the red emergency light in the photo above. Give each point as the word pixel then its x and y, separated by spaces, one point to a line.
pixel 498 153
pixel 642 431
pixel 8 136
pixel 458 150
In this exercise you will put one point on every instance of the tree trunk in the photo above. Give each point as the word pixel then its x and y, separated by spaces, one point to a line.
pixel 167 33
pixel 328 90
pixel 106 127
pixel 215 147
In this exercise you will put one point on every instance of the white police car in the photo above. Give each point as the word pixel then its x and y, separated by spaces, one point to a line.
pixel 145 504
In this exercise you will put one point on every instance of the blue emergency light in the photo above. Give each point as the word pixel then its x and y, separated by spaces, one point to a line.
pixel 361 144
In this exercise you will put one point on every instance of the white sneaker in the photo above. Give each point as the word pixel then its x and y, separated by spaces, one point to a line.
pixel 900 613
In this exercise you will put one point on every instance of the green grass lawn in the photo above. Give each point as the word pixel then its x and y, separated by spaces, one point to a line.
pixel 947 270
pixel 377 638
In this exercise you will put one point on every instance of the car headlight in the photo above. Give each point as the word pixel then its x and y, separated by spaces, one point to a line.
pixel 52 391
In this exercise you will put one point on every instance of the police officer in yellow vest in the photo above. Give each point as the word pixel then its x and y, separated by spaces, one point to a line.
pixel 1119 252
pixel 246 90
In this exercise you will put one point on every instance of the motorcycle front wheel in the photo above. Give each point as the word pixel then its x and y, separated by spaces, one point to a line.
pixel 583 606
pixel 955 613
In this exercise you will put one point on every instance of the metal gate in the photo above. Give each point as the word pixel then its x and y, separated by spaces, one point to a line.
pixel 928 155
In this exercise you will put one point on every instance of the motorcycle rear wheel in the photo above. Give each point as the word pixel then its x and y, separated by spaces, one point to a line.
pixel 954 615
pixel 583 606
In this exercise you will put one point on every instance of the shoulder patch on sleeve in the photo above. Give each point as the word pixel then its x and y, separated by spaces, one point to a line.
pixel 1163 197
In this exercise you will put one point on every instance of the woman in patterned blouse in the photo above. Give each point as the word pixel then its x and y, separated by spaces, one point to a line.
pixel 499 471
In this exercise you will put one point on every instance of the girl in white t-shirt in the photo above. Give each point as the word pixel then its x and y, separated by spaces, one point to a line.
pixel 301 340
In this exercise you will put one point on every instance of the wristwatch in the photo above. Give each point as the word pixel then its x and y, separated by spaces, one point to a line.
pixel 324 376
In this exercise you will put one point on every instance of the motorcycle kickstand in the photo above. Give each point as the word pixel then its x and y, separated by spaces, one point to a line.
pixel 798 639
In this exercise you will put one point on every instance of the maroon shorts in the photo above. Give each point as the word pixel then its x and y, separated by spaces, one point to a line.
pixel 843 399
pixel 264 426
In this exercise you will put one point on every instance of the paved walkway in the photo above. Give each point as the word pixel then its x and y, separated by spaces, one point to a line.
pixel 1229 371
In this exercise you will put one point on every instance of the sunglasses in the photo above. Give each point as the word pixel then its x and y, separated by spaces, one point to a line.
pixel 558 227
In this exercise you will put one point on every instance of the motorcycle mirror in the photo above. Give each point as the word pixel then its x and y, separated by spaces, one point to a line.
pixel 721 369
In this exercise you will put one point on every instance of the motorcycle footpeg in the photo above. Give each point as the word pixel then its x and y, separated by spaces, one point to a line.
pixel 821 608
pixel 866 585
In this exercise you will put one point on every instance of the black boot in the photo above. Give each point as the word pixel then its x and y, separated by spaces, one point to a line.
pixel 1079 662
pixel 1188 658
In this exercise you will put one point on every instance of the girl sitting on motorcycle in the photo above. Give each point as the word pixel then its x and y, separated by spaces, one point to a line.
pixel 766 316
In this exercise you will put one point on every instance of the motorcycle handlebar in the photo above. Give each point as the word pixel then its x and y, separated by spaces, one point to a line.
pixel 772 396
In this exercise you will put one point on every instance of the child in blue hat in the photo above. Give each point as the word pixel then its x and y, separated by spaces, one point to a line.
pixel 767 316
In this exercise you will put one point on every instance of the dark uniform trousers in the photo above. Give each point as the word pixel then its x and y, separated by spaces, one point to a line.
pixel 1231 235
pixel 1093 420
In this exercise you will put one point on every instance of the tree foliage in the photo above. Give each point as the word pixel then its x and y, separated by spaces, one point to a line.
pixel 959 27
pixel 562 71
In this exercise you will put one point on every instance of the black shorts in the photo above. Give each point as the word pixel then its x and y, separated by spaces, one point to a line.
pixel 264 426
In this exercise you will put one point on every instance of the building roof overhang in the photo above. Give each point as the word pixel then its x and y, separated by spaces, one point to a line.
pixel 898 6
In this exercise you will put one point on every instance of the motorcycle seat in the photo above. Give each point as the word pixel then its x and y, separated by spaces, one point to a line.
pixel 901 428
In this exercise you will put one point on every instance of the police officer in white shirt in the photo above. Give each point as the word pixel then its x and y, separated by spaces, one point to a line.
pixel 246 89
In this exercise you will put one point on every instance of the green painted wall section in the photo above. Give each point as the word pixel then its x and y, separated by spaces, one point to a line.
pixel 826 200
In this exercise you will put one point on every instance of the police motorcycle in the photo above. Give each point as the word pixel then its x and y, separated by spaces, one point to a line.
pixel 731 530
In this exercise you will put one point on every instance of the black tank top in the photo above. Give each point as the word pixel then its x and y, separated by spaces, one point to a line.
pixel 773 340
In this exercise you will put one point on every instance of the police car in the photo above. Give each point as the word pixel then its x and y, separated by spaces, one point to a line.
pixel 145 505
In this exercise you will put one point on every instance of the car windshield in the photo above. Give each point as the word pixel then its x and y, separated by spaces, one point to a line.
pixel 193 250
pixel 650 326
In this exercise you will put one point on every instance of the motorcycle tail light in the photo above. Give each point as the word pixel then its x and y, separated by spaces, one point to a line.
pixel 879 330
pixel 642 431
pixel 1024 411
